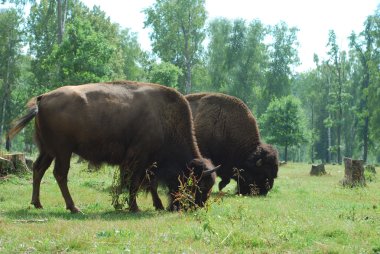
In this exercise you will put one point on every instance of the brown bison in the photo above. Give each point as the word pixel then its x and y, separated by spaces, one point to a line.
pixel 227 133
pixel 133 125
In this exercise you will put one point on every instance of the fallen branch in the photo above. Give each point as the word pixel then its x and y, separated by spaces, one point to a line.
pixel 31 221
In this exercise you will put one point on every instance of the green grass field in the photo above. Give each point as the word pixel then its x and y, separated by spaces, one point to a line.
pixel 302 214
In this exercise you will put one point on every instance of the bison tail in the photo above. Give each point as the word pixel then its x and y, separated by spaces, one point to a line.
pixel 20 123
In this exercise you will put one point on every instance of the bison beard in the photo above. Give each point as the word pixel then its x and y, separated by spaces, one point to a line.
pixel 128 124
pixel 227 133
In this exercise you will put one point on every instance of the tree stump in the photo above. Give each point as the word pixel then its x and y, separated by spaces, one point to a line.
pixel 354 173
pixel 370 168
pixel 318 170
pixel 6 167
pixel 18 161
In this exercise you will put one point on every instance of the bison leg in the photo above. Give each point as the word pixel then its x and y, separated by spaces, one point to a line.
pixel 135 181
pixel 174 204
pixel 40 166
pixel 156 199
pixel 223 183
pixel 61 169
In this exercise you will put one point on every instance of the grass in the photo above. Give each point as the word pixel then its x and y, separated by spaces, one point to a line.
pixel 302 214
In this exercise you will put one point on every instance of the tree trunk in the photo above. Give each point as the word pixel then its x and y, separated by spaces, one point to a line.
pixel 338 145
pixel 2 120
pixel 188 78
pixel 329 142
pixel 312 132
pixel 8 144
pixel 286 153
pixel 318 170
pixel 61 18
pixel 365 138
pixel 354 173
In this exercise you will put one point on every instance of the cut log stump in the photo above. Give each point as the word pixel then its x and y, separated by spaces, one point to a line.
pixel 6 167
pixel 353 173
pixel 18 161
pixel 317 170
pixel 370 168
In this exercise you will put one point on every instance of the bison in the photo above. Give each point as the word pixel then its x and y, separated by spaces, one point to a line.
pixel 129 124
pixel 227 133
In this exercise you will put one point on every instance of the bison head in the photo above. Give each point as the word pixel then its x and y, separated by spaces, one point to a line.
pixel 259 171
pixel 205 176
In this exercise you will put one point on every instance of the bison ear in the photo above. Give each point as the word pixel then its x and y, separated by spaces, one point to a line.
pixel 259 162
pixel 210 171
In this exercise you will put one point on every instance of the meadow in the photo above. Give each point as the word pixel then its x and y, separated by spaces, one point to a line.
pixel 302 214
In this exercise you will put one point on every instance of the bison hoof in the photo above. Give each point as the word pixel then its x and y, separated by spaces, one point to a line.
pixel 74 209
pixel 37 205
pixel 134 209
pixel 160 208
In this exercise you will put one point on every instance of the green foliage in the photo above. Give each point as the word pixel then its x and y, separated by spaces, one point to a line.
pixel 11 41
pixel 69 43
pixel 165 74
pixel 283 123
pixel 237 57
pixel 178 33
pixel 187 189
pixel 83 54
pixel 133 56
pixel 283 57
pixel 338 68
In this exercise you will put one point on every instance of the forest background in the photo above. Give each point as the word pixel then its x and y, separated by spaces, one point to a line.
pixel 322 114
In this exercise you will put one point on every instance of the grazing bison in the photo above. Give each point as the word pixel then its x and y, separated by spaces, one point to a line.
pixel 133 125
pixel 227 133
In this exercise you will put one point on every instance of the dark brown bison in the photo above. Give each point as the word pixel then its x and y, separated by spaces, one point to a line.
pixel 227 133
pixel 133 125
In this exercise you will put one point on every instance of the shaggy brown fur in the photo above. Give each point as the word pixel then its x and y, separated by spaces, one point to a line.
pixel 123 123
pixel 227 133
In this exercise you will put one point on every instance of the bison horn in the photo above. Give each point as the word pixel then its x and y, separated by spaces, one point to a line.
pixel 209 171
pixel 259 162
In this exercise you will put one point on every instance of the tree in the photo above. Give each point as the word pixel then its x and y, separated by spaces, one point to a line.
pixel 165 74
pixel 10 52
pixel 246 59
pixel 337 64
pixel 283 56
pixel 93 48
pixel 283 123
pixel 373 89
pixel 237 57
pixel 132 55
pixel 178 33
pixel 218 32
pixel 89 50
pixel 365 51
pixel 42 39
pixel 60 7
pixel 307 88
